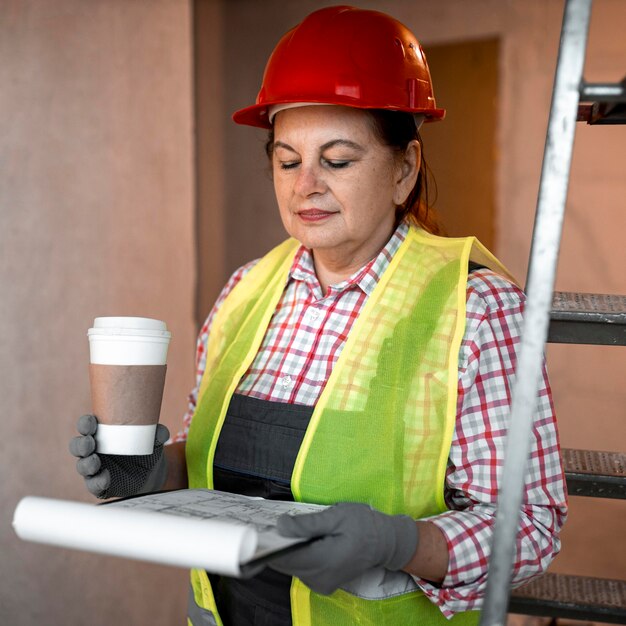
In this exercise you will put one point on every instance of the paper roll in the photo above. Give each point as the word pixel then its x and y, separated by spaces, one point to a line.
pixel 145 535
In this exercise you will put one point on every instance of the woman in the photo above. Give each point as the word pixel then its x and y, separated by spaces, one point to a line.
pixel 364 363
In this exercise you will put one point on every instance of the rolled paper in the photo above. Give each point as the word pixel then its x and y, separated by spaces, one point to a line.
pixel 186 542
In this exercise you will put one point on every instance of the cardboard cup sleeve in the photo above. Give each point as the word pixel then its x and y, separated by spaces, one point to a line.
pixel 127 394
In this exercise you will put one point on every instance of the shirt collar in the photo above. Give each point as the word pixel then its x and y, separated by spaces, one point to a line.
pixel 366 278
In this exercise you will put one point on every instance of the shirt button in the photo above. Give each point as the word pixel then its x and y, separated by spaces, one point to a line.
pixel 314 314
pixel 286 381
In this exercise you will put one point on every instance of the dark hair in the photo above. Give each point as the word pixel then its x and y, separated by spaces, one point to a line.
pixel 396 129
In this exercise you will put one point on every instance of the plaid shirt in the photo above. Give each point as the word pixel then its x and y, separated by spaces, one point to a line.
pixel 303 342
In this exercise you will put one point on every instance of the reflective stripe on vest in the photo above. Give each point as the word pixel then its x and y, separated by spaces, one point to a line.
pixel 197 615
pixel 381 430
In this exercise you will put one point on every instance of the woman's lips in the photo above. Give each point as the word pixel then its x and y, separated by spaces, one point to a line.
pixel 314 215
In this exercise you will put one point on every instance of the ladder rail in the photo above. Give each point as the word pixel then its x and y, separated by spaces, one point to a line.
pixel 541 276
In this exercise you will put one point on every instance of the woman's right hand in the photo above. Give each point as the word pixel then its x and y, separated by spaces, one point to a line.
pixel 113 475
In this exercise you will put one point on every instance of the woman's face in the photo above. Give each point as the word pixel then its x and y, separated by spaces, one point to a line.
pixel 337 186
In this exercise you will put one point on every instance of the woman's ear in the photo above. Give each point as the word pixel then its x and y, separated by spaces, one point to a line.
pixel 408 170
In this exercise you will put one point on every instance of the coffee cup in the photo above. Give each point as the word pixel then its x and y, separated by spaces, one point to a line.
pixel 128 357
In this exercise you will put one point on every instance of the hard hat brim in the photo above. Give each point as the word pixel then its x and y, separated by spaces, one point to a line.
pixel 258 114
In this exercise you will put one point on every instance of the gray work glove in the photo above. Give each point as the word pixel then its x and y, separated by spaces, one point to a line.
pixel 353 538
pixel 114 475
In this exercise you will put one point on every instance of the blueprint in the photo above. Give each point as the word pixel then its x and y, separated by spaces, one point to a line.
pixel 219 532
pixel 230 508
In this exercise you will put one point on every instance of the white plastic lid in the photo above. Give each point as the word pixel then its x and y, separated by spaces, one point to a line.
pixel 135 323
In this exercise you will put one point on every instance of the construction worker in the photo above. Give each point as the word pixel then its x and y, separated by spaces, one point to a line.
pixel 365 363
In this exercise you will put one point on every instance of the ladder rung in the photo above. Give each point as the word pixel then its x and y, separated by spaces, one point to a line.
pixel 573 597
pixel 588 318
pixel 602 113
pixel 603 92
pixel 595 474
pixel 602 103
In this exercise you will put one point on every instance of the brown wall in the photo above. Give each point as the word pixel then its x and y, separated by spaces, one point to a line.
pixel 210 121
pixel 467 84
pixel 96 218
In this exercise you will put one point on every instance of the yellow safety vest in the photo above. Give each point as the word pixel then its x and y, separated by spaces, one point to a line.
pixel 381 430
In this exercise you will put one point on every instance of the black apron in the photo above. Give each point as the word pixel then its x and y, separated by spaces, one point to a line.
pixel 255 455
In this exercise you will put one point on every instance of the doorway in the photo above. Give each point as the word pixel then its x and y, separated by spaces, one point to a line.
pixel 461 151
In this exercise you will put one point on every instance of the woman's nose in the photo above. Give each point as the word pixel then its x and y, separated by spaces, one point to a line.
pixel 309 181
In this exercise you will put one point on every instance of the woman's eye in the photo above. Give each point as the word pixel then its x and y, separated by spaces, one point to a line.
pixel 336 164
pixel 289 165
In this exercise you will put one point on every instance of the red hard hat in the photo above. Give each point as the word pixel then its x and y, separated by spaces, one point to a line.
pixel 348 56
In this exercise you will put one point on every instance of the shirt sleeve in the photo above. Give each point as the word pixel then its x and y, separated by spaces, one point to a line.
pixel 203 337
pixel 487 362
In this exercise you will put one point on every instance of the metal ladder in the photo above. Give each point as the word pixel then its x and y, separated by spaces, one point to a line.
pixel 560 318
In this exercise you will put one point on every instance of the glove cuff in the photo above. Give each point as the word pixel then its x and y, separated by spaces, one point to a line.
pixel 157 477
pixel 404 537
pixel 133 475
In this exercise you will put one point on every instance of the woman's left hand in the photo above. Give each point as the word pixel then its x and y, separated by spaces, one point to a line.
pixel 352 538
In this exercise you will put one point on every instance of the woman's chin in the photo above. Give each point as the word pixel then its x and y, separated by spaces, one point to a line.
pixel 317 237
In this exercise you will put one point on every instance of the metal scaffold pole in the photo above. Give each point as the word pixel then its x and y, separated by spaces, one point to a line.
pixel 540 285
